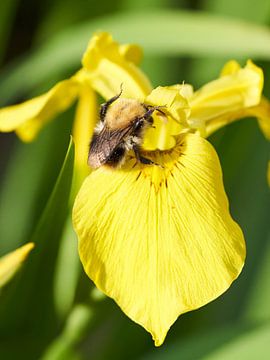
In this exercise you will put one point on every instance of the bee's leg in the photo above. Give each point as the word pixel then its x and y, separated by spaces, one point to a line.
pixel 150 121
pixel 140 158
pixel 151 109
pixel 104 107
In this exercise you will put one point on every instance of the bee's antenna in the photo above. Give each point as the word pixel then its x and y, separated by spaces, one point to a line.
pixel 150 111
pixel 121 89
pixel 160 111
pixel 104 107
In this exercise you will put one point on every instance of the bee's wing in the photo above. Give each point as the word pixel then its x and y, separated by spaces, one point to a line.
pixel 104 143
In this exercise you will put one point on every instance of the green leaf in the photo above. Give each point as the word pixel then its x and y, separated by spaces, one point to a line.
pixel 27 308
pixel 257 307
pixel 68 270
pixel 77 324
pixel 7 15
pixel 28 182
pixel 235 341
pixel 240 8
pixel 250 346
pixel 185 33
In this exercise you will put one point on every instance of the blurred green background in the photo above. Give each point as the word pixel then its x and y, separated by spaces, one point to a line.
pixel 51 310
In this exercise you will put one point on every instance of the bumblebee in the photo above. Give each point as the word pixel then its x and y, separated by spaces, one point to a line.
pixel 121 129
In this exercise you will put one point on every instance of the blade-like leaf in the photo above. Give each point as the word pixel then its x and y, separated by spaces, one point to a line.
pixel 7 15
pixel 253 345
pixel 77 324
pixel 27 308
pixel 258 301
pixel 28 182
pixel 67 272
pixel 229 342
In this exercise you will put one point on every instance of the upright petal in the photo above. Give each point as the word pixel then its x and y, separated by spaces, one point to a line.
pixel 109 65
pixel 235 91
pixel 10 263
pixel 131 52
pixel 30 116
pixel 262 113
pixel 83 126
pixel 160 241
pixel 176 109
pixel 230 68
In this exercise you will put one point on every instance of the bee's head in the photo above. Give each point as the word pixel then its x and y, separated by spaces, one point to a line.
pixel 121 112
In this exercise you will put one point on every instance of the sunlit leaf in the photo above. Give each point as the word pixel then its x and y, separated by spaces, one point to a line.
pixel 77 324
pixel 254 344
pixel 67 270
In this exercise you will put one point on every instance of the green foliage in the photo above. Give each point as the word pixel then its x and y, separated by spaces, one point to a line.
pixel 186 33
pixel 228 342
pixel 48 311
pixel 33 316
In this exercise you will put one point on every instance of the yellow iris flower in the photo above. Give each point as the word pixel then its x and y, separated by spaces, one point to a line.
pixel 160 241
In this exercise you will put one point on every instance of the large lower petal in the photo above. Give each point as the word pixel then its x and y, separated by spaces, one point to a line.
pixel 30 116
pixel 160 241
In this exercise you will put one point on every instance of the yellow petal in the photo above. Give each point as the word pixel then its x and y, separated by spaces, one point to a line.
pixel 186 90
pixel 84 123
pixel 231 67
pixel 10 263
pixel 235 91
pixel 30 116
pixel 262 113
pixel 131 52
pixel 176 109
pixel 109 65
pixel 160 241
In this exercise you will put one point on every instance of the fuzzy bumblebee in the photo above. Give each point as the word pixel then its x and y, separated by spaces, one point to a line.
pixel 121 129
